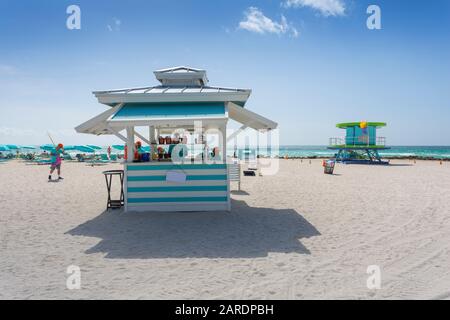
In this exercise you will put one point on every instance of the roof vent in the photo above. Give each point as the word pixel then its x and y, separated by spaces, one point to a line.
pixel 182 76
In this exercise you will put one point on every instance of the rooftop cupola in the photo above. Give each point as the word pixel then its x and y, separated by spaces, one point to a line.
pixel 182 76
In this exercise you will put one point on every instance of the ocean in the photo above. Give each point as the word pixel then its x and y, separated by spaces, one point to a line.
pixel 425 152
pixel 434 152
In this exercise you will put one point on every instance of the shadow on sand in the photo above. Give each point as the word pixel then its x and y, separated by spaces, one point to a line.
pixel 245 232
pixel 240 192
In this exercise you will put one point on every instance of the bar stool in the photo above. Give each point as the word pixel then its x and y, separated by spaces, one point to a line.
pixel 114 204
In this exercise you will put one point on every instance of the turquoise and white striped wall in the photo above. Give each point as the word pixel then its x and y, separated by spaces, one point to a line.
pixel 206 187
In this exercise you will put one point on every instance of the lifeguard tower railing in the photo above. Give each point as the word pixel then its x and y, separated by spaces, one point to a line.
pixel 357 142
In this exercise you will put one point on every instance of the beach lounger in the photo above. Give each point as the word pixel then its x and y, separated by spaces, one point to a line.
pixel 40 162
pixel 100 161
pixel 104 157
pixel 68 157
pixel 249 173
pixel 253 165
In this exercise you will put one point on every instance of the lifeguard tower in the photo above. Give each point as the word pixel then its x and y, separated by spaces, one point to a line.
pixel 361 144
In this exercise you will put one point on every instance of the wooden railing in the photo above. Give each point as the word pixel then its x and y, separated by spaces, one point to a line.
pixel 380 141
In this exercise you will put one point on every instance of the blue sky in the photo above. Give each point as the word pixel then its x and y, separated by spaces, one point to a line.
pixel 310 63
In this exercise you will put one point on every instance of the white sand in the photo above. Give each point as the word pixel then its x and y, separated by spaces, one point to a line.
pixel 300 234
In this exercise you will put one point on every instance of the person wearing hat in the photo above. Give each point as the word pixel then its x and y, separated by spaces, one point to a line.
pixel 55 159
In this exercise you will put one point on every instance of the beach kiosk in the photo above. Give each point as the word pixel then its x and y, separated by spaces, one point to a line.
pixel 182 125
pixel 361 144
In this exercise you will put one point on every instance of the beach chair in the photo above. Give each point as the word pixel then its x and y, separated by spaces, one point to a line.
pixel 80 158
pixel 68 157
pixel 104 158
pixel 113 157
pixel 252 167
pixel 40 161
pixel 234 173
pixel 100 161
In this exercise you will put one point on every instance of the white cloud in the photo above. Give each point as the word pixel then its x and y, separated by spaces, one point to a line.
pixel 7 70
pixel 17 132
pixel 325 7
pixel 256 21
pixel 115 25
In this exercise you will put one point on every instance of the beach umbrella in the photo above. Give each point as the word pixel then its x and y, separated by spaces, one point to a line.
pixel 94 147
pixel 85 149
pixel 70 148
pixel 4 148
pixel 47 147
pixel 119 147
pixel 12 146
pixel 28 147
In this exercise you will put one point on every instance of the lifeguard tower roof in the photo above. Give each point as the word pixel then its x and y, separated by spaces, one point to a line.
pixel 346 125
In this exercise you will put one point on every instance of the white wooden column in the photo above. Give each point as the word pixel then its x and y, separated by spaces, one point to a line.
pixel 157 133
pixel 130 144
pixel 152 134
pixel 223 142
